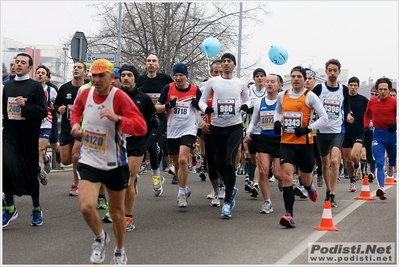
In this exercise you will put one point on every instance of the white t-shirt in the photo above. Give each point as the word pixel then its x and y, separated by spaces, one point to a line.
pixel 228 96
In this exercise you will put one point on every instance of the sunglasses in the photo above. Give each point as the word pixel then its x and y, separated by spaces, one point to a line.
pixel 374 94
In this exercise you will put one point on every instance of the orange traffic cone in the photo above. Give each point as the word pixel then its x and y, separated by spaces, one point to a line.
pixel 365 193
pixel 390 181
pixel 326 223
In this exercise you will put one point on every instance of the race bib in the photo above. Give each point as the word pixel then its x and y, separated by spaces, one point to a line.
pixel 14 110
pixel 181 111
pixel 267 120
pixel 332 108
pixel 154 97
pixel 95 139
pixel 291 121
pixel 225 108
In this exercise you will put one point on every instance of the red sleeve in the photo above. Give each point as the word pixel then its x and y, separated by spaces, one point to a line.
pixel 78 107
pixel 132 121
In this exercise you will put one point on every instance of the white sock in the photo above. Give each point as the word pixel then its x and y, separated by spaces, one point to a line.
pixel 101 236
pixel 182 191
pixel 119 250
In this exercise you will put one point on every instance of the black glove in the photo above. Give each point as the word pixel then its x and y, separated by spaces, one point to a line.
pixel 392 127
pixel 154 121
pixel 277 127
pixel 194 102
pixel 209 110
pixel 368 132
pixel 250 110
pixel 299 131
pixel 170 104
pixel 244 107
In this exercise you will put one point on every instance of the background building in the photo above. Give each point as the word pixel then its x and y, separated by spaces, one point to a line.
pixel 54 57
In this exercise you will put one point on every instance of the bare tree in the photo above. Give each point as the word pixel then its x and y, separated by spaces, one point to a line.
pixel 173 31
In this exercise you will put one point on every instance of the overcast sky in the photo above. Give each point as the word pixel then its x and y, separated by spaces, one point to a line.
pixel 363 35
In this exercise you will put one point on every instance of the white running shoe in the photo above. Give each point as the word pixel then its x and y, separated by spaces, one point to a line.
pixel 98 254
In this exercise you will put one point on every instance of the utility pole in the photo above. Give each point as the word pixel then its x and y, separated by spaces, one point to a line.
pixel 118 55
pixel 239 43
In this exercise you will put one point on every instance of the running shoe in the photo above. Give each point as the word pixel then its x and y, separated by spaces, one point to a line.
pixel 222 192
pixel 248 186
pixel 280 185
pixel 174 180
pixel 346 175
pixel 254 190
pixel 333 203
pixel 270 172
pixel 129 224
pixel 74 190
pixel 390 171
pixel 233 197
pixel 193 169
pixel 182 199
pixel 171 170
pixel 37 218
pixel 215 201
pixel 312 193
pixel 58 157
pixel 352 187
pixel 136 190
pixel 119 259
pixel 381 194
pixel 142 169
pixel 98 247
pixel 157 182
pixel 9 216
pixel 295 180
pixel 272 179
pixel 47 166
pixel 300 191
pixel 202 176
pixel 43 177
pixel 266 207
pixel 287 220
pixel 210 195
pixel 370 176
pixel 102 203
pixel 226 210
pixel 107 217
pixel 358 173
pixel 320 180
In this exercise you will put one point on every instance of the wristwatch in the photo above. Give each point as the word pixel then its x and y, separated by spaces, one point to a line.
pixel 119 118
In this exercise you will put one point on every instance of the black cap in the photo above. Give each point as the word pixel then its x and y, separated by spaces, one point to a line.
pixel 300 69
pixel 230 56
pixel 259 71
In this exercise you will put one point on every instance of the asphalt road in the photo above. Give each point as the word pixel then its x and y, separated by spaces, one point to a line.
pixel 198 235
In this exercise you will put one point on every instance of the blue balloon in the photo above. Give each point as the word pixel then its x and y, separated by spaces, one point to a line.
pixel 210 46
pixel 278 54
